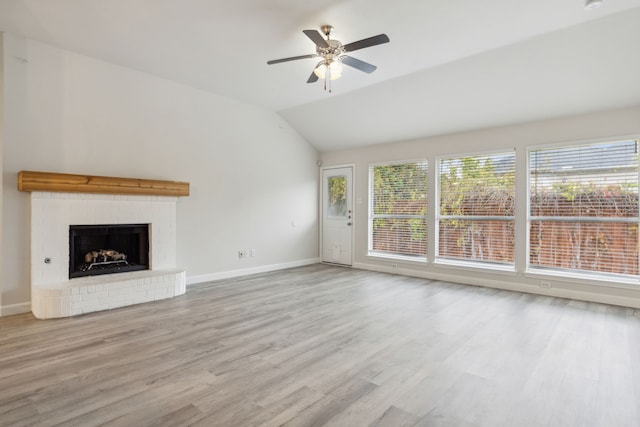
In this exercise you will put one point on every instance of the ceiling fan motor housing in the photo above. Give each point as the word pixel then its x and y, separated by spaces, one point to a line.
pixel 333 51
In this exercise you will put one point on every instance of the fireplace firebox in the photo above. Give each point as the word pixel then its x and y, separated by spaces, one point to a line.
pixel 107 249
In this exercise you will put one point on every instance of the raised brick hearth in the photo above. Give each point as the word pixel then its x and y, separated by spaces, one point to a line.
pixel 95 293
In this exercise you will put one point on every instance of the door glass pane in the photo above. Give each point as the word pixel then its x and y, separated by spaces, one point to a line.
pixel 337 196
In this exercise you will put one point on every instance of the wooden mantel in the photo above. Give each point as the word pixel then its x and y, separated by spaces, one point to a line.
pixel 69 183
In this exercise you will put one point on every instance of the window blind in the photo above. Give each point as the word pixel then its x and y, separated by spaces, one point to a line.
pixel 476 215
pixel 398 206
pixel 583 208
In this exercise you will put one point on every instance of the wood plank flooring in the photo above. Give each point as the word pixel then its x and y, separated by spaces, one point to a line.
pixel 327 346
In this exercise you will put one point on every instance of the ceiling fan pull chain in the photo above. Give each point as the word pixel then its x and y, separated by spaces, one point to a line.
pixel 327 79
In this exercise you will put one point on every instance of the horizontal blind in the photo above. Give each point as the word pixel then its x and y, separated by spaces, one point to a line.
pixel 397 223
pixel 583 208
pixel 475 221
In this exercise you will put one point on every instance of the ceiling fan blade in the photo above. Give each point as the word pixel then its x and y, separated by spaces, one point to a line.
pixel 312 78
pixel 368 42
pixel 293 58
pixel 357 64
pixel 316 37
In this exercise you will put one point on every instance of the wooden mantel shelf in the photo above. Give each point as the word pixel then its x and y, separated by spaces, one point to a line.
pixel 69 183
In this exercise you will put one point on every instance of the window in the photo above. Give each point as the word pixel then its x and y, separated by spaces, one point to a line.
pixel 337 196
pixel 583 208
pixel 476 215
pixel 397 211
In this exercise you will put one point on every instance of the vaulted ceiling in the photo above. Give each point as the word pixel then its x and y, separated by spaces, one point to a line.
pixel 451 65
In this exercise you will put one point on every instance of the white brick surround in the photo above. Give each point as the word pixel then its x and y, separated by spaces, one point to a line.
pixel 54 295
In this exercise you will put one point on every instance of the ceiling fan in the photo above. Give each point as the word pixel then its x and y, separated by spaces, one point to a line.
pixel 333 54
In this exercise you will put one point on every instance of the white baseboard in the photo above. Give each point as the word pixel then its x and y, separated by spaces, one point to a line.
pixel 508 285
pixel 191 280
pixel 9 310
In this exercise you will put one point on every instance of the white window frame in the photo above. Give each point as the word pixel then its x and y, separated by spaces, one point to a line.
pixel 575 275
pixel 387 255
pixel 467 263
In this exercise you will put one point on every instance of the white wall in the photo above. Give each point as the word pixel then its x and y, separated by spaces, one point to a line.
pixel 250 173
pixel 608 124
pixel 1 150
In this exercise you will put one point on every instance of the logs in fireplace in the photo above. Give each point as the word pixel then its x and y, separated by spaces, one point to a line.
pixel 107 249
pixel 101 258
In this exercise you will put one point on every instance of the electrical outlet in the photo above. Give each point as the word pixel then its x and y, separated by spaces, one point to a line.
pixel 394 265
pixel 252 253
pixel 242 253
pixel 544 284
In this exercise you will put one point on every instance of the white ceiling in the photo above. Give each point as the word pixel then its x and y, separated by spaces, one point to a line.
pixel 451 65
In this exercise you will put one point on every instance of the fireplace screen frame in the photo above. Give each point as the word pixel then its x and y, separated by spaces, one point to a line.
pixel 134 244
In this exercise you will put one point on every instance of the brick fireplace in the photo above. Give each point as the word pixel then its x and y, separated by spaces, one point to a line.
pixel 55 294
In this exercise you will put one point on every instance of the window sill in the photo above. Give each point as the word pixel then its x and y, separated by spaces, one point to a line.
pixel 597 279
pixel 470 265
pixel 401 258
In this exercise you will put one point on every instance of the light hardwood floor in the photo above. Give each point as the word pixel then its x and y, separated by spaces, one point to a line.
pixel 323 345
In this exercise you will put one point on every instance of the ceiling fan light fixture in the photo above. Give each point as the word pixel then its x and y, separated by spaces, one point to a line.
pixel 334 68
pixel 320 70
pixel 592 4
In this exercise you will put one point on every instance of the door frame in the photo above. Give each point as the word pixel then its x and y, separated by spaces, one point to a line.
pixel 321 211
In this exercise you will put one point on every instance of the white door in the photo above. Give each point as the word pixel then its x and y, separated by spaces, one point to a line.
pixel 337 215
